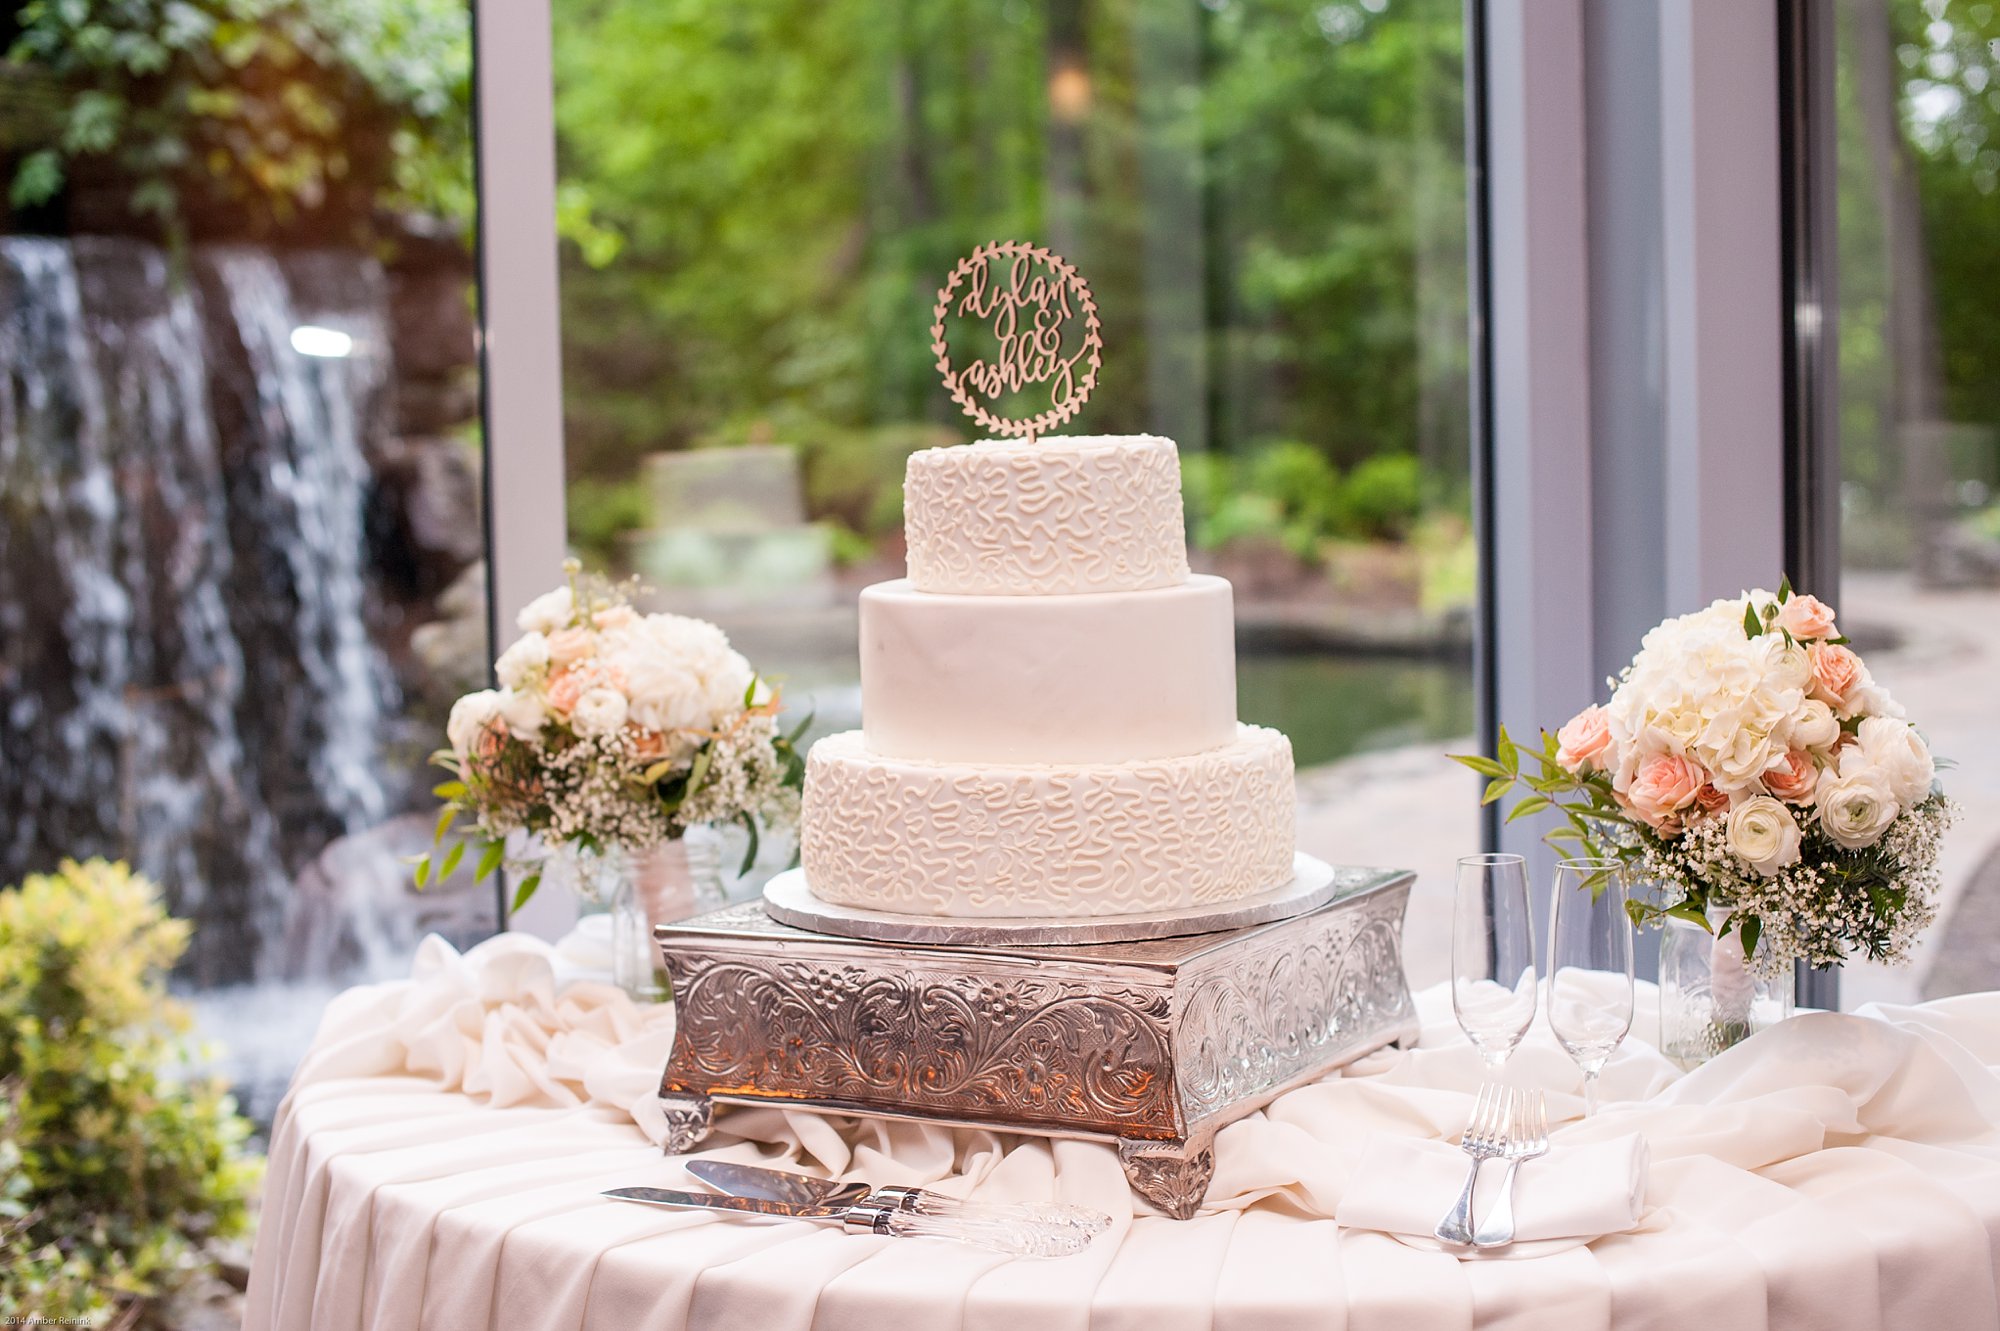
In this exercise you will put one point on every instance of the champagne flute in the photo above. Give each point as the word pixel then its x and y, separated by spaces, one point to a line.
pixel 1492 955
pixel 1590 966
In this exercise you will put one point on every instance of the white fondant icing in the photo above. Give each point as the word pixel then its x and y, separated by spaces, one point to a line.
pixel 1086 513
pixel 971 840
pixel 1101 678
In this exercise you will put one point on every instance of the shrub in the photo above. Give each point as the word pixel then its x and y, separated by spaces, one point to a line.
pixel 1381 497
pixel 115 1166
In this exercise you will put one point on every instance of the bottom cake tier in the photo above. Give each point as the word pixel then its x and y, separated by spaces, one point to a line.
pixel 946 839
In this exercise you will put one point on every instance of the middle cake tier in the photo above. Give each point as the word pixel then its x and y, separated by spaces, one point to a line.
pixel 1100 677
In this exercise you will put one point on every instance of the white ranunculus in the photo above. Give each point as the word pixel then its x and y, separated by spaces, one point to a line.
pixel 1815 726
pixel 519 663
pixel 470 715
pixel 1763 834
pixel 1856 805
pixel 1893 748
pixel 547 612
pixel 600 711
pixel 525 714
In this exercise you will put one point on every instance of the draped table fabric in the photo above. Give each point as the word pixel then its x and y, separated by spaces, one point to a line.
pixel 438 1159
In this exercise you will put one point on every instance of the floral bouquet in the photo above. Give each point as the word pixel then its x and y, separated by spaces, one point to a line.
pixel 1748 763
pixel 611 731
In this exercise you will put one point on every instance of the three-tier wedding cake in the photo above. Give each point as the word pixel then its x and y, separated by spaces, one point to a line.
pixel 1048 704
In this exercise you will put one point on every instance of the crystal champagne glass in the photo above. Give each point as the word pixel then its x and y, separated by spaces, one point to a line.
pixel 1590 965
pixel 1492 955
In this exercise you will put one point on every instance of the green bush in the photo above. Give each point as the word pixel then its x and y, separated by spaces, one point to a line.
pixel 116 1168
pixel 267 110
pixel 1381 498
pixel 601 512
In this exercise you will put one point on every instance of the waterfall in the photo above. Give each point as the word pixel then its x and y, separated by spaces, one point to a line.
pixel 187 677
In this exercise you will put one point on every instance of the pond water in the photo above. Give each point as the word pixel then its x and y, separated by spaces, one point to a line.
pixel 1335 706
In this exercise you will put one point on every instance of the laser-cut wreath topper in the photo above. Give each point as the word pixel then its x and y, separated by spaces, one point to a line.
pixel 1027 315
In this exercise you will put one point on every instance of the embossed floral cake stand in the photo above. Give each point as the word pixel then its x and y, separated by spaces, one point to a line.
pixel 1153 1044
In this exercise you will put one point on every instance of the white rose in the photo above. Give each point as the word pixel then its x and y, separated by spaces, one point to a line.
pixel 1893 748
pixel 469 716
pixel 600 711
pixel 665 693
pixel 1815 726
pixel 519 663
pixel 525 713
pixel 1856 806
pixel 547 612
pixel 1763 834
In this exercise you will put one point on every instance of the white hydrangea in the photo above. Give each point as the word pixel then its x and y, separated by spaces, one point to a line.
pixel 1894 748
pixel 1701 688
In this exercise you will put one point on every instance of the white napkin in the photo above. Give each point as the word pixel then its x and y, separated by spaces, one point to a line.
pixel 1575 1193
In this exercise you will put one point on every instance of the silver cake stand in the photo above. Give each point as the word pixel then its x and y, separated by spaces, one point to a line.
pixel 1153 1043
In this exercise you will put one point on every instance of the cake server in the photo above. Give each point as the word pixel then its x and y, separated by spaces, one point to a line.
pixel 1015 1237
pixel 782 1186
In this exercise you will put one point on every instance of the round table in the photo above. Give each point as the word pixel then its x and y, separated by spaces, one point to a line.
pixel 438 1159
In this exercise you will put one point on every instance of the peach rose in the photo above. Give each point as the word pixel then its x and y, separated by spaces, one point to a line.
pixel 1835 672
pixel 566 686
pixel 568 646
pixel 1711 800
pixel 1664 785
pixel 1794 778
pixel 1583 742
pixel 1806 618
pixel 616 617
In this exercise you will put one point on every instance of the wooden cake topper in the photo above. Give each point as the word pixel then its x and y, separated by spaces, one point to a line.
pixel 1026 312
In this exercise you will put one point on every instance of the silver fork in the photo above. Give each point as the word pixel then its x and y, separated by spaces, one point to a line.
pixel 1528 1138
pixel 1485 1139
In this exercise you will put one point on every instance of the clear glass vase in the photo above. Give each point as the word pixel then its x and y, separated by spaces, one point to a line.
pixel 641 890
pixel 1710 1000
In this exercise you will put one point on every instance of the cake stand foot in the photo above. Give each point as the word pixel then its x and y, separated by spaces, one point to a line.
pixel 689 1118
pixel 1172 1175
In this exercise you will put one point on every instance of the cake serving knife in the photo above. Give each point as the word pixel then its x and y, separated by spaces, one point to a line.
pixel 1015 1237
pixel 783 1186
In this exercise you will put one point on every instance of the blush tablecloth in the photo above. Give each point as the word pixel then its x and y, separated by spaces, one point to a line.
pixel 437 1161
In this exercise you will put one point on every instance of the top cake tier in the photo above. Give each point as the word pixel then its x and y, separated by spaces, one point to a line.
pixel 1065 514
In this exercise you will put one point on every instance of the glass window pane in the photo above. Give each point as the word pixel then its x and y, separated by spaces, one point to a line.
pixel 1919 259
pixel 759 203
pixel 241 562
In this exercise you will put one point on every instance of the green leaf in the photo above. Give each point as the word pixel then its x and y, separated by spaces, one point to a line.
pixel 651 776
pixel 1483 766
pixel 489 859
pixel 792 737
pixel 446 816
pixel 423 871
pixel 1507 751
pixel 1692 913
pixel 750 693
pixel 1534 804
pixel 37 179
pixel 698 773
pixel 450 790
pixel 524 891
pixel 451 859
pixel 1784 588
pixel 1495 788
pixel 750 855
pixel 1752 625
pixel 1753 929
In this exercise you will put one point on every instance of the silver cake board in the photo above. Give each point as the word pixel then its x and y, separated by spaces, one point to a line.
pixel 1152 1044
pixel 1313 883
